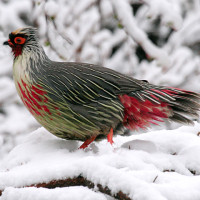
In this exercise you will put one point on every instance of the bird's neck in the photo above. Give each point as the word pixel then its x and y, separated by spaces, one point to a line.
pixel 26 68
pixel 30 62
pixel 31 59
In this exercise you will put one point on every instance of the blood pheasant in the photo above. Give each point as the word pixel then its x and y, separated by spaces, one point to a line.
pixel 80 101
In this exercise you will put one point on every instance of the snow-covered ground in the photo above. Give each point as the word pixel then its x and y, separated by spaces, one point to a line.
pixel 159 165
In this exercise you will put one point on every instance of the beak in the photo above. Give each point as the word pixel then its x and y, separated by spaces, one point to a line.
pixel 8 43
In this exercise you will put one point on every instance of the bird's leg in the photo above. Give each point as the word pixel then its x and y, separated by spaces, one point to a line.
pixel 87 142
pixel 110 136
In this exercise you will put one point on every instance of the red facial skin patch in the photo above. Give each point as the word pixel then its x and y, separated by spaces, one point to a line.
pixel 17 45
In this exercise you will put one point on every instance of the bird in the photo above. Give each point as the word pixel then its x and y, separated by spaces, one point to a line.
pixel 87 102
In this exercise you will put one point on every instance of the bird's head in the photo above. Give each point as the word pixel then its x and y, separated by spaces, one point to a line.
pixel 21 38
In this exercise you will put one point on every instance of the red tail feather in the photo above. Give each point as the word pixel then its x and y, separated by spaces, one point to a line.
pixel 139 114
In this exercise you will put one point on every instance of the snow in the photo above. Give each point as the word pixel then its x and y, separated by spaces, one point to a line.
pixel 163 163
pixel 125 15
pixel 51 8
pixel 49 194
pixel 163 8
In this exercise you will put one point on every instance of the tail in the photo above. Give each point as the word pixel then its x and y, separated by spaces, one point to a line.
pixel 154 103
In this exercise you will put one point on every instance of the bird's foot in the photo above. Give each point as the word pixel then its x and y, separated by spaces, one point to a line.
pixel 87 142
pixel 110 136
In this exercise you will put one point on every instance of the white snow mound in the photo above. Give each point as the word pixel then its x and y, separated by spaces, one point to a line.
pixel 157 165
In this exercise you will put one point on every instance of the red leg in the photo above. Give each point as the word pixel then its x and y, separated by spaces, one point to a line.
pixel 87 142
pixel 110 136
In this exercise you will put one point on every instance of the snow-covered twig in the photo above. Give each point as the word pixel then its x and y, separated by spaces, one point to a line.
pixel 168 11
pixel 124 13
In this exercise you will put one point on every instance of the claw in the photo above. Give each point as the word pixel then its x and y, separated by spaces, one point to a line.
pixel 110 136
pixel 87 142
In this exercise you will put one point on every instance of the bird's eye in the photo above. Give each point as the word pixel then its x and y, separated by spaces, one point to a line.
pixel 19 40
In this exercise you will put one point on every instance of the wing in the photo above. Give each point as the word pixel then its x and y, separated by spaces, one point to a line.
pixel 102 96
pixel 102 88
pixel 82 83
pixel 91 92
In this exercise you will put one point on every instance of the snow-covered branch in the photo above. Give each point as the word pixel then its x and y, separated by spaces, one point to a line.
pixel 169 12
pixel 138 163
pixel 124 13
